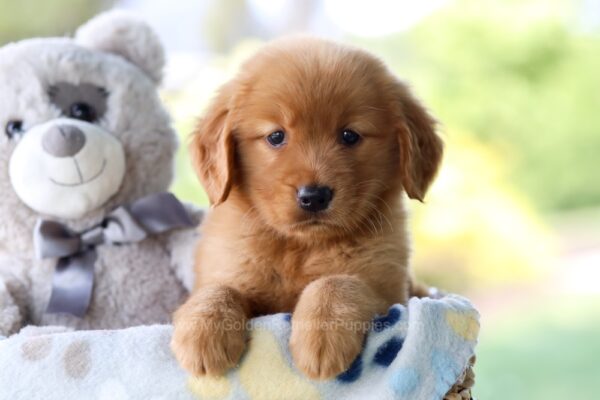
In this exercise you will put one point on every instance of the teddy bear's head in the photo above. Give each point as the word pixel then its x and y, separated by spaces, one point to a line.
pixel 82 129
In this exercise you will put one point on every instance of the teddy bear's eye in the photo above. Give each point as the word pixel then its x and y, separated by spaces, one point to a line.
pixel 14 128
pixel 82 111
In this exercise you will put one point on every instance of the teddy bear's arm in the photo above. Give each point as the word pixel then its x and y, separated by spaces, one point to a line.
pixel 10 313
pixel 14 289
pixel 181 244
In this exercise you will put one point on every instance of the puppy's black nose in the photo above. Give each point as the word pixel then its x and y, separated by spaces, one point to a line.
pixel 314 198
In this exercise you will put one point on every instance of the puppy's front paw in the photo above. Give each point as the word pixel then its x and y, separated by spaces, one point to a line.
pixel 323 349
pixel 208 339
pixel 329 324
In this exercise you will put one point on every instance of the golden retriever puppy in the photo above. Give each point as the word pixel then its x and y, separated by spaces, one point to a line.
pixel 304 155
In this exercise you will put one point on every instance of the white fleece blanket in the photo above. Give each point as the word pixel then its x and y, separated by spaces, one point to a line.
pixel 415 352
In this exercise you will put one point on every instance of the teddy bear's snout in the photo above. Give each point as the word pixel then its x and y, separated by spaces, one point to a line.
pixel 65 168
pixel 63 141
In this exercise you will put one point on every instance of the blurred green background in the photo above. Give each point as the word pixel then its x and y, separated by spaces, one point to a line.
pixel 513 220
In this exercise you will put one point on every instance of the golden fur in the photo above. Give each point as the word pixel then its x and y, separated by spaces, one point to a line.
pixel 260 253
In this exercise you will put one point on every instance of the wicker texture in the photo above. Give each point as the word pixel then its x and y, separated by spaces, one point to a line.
pixel 462 389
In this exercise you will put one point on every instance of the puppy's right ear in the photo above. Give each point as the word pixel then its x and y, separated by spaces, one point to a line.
pixel 420 146
pixel 212 147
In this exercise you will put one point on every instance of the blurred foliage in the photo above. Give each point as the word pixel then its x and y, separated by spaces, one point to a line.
pixel 474 229
pixel 548 350
pixel 224 36
pixel 20 19
pixel 521 77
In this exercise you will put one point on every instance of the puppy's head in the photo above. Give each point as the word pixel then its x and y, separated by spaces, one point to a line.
pixel 318 136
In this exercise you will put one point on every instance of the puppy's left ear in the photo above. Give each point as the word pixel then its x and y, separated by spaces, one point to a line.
pixel 212 147
pixel 421 148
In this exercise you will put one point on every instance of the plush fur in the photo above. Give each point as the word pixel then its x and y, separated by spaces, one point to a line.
pixel 260 252
pixel 135 284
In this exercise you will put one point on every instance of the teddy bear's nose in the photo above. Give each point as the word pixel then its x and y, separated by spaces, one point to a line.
pixel 63 141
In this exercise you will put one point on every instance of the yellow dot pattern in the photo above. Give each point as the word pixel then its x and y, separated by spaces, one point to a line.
pixel 264 375
pixel 209 388
pixel 463 324
pixel 265 363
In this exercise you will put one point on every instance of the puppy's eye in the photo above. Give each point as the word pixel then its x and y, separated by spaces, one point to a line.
pixel 14 128
pixel 82 111
pixel 276 139
pixel 349 137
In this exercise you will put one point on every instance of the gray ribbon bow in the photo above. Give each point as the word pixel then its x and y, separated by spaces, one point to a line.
pixel 73 278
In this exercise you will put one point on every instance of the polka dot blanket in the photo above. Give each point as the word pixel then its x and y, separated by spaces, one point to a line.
pixel 416 352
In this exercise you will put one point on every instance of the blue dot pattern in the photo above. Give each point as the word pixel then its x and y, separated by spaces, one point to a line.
pixel 381 323
pixel 402 358
pixel 405 381
pixel 352 373
pixel 387 352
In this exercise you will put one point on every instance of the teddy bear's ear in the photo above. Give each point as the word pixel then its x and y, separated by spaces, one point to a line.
pixel 121 33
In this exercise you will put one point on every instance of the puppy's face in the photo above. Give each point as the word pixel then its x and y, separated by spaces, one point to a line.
pixel 318 137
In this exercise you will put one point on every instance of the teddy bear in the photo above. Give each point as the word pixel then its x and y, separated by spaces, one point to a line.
pixel 89 236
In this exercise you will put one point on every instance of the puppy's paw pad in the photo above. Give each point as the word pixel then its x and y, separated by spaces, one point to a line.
pixel 324 354
pixel 208 351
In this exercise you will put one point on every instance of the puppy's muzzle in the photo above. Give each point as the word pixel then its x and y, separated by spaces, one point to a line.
pixel 314 198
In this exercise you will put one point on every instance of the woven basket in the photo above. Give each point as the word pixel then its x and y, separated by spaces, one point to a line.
pixel 462 389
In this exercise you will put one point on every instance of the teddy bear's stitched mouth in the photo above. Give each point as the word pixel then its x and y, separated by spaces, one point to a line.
pixel 82 180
